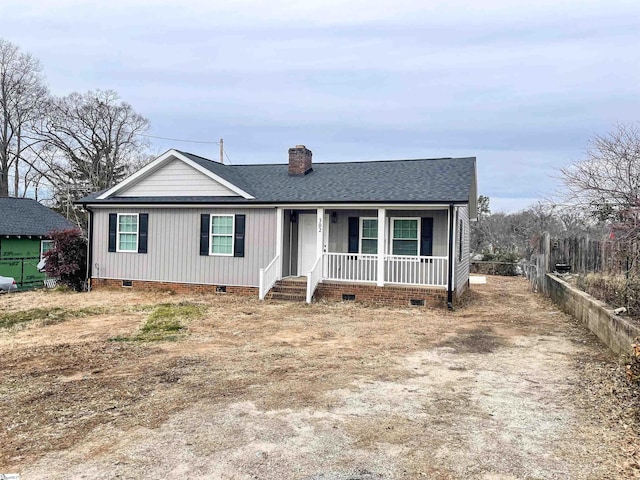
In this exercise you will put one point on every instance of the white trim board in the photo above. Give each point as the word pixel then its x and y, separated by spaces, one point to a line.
pixel 97 277
pixel 240 206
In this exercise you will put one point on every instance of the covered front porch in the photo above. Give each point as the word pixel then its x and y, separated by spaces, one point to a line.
pixel 385 245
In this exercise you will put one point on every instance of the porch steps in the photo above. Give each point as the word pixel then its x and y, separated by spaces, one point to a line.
pixel 291 289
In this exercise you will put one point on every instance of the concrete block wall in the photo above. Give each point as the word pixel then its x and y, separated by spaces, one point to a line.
pixel 614 331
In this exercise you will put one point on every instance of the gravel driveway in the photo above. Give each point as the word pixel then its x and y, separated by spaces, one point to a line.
pixel 505 387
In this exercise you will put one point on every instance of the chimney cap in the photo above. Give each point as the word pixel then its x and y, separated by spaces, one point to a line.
pixel 300 146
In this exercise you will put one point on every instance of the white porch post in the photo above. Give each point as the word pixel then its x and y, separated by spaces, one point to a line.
pixel 279 241
pixel 382 213
pixel 320 232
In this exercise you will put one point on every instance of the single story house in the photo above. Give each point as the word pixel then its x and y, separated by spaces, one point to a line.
pixel 393 232
pixel 24 228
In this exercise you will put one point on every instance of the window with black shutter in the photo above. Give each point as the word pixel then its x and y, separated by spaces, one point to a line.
pixel 354 231
pixel 426 237
pixel 222 235
pixel 128 232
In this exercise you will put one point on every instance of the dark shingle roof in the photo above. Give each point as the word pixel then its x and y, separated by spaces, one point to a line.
pixel 389 181
pixel 25 216
pixel 417 181
pixel 225 171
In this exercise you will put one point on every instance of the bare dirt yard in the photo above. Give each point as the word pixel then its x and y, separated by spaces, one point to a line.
pixel 110 385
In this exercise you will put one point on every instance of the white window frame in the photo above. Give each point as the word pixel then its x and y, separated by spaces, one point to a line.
pixel 460 236
pixel 392 237
pixel 42 242
pixel 137 232
pixel 211 235
pixel 361 235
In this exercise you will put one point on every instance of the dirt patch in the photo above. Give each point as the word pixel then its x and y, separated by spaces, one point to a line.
pixel 475 340
pixel 504 387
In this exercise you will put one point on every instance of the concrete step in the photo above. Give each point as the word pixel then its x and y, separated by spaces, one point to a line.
pixel 289 288
pixel 294 297
pixel 292 283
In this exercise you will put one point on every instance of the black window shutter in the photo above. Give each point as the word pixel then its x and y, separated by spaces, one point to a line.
pixel 204 233
pixel 238 244
pixel 354 234
pixel 143 232
pixel 426 237
pixel 113 225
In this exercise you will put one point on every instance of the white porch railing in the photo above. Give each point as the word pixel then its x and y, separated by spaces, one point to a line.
pixel 351 267
pixel 399 269
pixel 411 270
pixel 268 277
pixel 313 278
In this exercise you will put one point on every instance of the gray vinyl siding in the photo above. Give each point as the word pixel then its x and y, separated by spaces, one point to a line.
pixel 177 179
pixel 286 245
pixel 174 248
pixel 339 231
pixel 462 266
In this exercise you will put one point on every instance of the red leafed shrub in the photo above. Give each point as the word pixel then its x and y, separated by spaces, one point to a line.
pixel 67 260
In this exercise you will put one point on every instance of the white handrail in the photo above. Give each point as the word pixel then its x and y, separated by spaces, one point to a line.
pixel 416 270
pixel 352 267
pixel 313 278
pixel 268 277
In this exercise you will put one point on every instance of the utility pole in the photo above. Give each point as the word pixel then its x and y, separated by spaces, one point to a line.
pixel 221 151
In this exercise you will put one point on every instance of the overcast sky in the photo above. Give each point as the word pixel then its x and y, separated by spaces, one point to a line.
pixel 520 85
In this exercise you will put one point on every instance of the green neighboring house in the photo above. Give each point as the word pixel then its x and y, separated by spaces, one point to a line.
pixel 24 229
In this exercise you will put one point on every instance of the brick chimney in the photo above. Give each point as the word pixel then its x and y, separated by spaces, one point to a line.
pixel 299 161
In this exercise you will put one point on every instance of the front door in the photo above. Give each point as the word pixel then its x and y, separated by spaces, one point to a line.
pixel 307 243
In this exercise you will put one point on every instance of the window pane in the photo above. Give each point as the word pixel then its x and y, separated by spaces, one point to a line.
pixel 405 247
pixel 222 225
pixel 369 246
pixel 405 229
pixel 221 245
pixel 46 246
pixel 128 223
pixel 369 228
pixel 127 241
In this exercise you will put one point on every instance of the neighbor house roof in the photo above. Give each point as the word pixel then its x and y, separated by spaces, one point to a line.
pixel 440 180
pixel 25 216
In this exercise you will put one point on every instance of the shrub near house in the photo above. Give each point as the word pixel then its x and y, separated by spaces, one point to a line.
pixel 67 259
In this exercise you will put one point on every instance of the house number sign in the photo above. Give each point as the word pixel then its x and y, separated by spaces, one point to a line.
pixel 319 225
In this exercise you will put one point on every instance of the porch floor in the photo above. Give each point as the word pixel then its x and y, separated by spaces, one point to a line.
pixel 295 279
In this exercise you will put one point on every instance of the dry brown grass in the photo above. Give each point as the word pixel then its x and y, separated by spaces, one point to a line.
pixel 62 383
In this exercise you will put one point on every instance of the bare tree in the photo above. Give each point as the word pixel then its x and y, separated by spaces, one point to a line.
pixel 514 234
pixel 93 140
pixel 607 182
pixel 22 97
pixel 484 208
pixel 96 137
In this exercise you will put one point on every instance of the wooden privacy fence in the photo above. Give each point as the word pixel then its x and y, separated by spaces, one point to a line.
pixel 586 255
pixel 617 263
pixel 583 255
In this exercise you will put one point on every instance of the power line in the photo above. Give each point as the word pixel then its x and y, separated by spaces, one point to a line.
pixel 224 150
pixel 226 155
pixel 179 139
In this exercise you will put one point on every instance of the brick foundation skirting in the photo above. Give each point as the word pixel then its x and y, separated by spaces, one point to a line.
pixel 99 283
pixel 389 295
